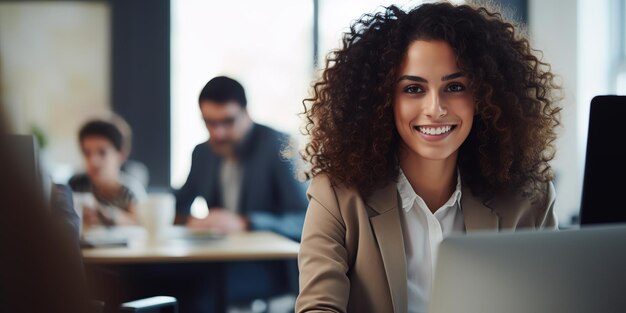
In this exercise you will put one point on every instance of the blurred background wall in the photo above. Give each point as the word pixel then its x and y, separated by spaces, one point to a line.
pixel 55 65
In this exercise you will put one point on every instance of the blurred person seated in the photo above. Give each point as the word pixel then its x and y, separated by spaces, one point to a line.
pixel 248 184
pixel 108 195
pixel 240 171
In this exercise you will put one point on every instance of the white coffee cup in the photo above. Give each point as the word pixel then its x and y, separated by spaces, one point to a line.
pixel 156 214
pixel 83 201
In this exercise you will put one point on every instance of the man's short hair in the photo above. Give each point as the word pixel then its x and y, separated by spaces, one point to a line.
pixel 104 129
pixel 222 89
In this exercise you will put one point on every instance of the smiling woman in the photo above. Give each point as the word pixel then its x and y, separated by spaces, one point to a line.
pixel 511 88
pixel 426 123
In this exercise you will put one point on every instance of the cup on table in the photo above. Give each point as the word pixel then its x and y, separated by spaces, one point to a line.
pixel 84 204
pixel 156 214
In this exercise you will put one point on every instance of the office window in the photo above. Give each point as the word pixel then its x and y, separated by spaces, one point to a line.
pixel 601 56
pixel 335 18
pixel 266 45
pixel 620 75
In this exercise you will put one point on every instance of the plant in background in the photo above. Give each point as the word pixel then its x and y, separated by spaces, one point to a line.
pixel 40 136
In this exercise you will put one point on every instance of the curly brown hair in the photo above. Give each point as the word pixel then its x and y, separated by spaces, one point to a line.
pixel 349 118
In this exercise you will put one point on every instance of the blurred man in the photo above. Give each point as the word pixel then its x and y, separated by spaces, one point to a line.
pixel 240 171
pixel 247 185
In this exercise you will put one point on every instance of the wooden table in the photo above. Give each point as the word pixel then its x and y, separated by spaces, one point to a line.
pixel 247 246
pixel 180 249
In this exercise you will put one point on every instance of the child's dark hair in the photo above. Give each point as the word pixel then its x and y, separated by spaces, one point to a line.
pixel 104 129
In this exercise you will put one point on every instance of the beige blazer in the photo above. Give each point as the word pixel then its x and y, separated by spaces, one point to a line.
pixel 352 252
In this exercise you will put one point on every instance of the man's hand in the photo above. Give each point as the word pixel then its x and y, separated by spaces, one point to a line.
pixel 220 220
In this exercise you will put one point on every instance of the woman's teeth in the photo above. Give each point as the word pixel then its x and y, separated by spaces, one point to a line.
pixel 434 131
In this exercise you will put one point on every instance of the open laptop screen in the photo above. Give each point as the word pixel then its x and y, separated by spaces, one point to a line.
pixel 604 181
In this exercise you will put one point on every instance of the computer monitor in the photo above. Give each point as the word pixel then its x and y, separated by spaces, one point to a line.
pixel 575 271
pixel 604 181
pixel 25 149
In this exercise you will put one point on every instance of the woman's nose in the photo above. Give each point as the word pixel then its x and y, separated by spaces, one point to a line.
pixel 435 107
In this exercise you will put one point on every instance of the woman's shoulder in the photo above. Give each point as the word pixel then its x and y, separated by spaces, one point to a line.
pixel 535 206
pixel 533 196
pixel 346 201
pixel 322 187
pixel 542 199
pixel 337 198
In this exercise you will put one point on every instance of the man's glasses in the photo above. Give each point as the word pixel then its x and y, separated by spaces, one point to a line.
pixel 227 122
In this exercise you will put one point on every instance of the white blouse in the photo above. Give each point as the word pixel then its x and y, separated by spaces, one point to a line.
pixel 423 231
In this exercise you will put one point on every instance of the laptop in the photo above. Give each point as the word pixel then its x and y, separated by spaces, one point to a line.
pixel 604 179
pixel 573 271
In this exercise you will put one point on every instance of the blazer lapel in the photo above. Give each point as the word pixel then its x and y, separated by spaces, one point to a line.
pixel 388 232
pixel 478 214
pixel 214 190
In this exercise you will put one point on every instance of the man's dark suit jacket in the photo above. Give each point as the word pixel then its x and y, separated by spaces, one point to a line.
pixel 271 198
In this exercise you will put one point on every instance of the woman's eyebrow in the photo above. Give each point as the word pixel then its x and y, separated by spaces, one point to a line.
pixel 424 80
pixel 452 76
pixel 413 78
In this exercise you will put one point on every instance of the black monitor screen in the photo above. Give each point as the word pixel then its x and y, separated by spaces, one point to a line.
pixel 604 184
pixel 24 148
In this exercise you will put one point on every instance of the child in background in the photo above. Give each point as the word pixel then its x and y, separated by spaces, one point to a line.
pixel 108 196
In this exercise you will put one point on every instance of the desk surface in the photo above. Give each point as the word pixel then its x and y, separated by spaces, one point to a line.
pixel 237 247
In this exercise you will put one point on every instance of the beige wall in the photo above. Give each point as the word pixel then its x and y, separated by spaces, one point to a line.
pixel 55 71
